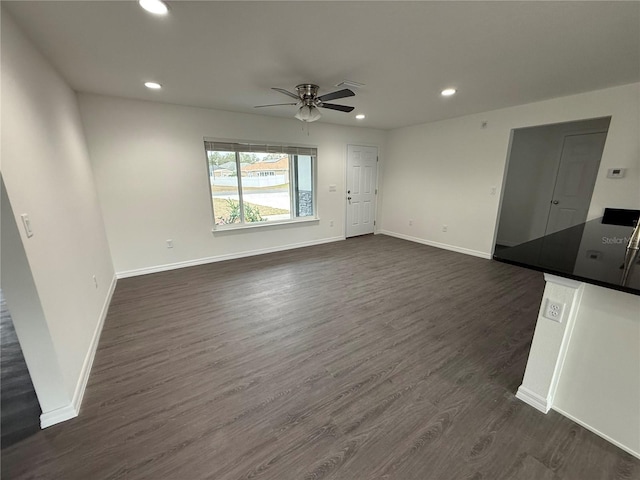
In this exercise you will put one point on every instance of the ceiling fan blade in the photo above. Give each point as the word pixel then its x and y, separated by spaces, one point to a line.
pixel 286 92
pixel 333 106
pixel 274 105
pixel 335 95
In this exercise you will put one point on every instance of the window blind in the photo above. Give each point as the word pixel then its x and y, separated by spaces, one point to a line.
pixel 258 148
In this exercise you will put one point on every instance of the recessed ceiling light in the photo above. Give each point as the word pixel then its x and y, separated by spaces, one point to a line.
pixel 447 92
pixel 360 116
pixel 153 85
pixel 154 6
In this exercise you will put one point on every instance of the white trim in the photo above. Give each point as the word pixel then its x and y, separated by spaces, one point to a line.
pixel 93 347
pixel 57 416
pixel 244 226
pixel 533 399
pixel 444 246
pixel 565 282
pixel 597 432
pixel 258 142
pixel 72 410
pixel 566 340
pixel 220 258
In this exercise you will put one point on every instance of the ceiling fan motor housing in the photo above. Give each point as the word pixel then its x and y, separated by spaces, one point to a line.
pixel 308 93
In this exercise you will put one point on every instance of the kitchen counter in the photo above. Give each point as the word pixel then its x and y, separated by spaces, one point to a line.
pixel 584 360
pixel 592 252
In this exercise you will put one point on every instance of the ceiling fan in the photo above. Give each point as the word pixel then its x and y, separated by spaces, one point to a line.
pixel 308 101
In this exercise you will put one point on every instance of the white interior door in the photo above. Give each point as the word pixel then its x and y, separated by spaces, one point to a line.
pixel 362 173
pixel 576 178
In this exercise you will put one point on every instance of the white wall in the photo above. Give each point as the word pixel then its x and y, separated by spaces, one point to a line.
pixel 586 365
pixel 152 179
pixel 47 174
pixel 28 317
pixel 600 381
pixel 442 172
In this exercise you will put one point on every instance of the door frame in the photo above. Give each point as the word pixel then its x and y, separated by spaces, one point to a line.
pixel 345 180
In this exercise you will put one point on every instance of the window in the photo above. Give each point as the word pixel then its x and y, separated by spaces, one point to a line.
pixel 260 183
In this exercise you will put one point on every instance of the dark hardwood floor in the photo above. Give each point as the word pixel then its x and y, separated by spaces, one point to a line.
pixel 19 407
pixel 373 358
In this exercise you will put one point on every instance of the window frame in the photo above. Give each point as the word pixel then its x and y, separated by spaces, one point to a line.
pixel 271 147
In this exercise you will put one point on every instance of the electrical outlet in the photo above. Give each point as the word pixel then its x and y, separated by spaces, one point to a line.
pixel 553 310
pixel 331 223
pixel 445 228
pixel 169 243
pixel 494 190
pixel 410 223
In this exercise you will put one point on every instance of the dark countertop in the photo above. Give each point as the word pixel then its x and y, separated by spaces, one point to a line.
pixel 591 252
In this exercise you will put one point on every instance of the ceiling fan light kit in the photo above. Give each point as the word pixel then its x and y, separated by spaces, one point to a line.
pixel 309 101
pixel 308 114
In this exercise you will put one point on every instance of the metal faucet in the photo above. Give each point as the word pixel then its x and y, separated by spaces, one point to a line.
pixel 632 253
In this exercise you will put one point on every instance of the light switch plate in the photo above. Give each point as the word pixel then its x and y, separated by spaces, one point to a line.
pixel 27 225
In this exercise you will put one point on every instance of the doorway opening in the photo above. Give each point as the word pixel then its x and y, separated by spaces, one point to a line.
pixel 550 177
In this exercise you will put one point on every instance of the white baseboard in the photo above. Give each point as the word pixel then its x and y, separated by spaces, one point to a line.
pixel 444 246
pixel 220 258
pixel 58 415
pixel 540 403
pixel 597 432
pixel 72 410
pixel 533 399
pixel 81 386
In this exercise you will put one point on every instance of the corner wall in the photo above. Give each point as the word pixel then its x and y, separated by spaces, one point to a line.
pixel 47 174
pixel 599 386
pixel 28 317
pixel 152 178
pixel 442 173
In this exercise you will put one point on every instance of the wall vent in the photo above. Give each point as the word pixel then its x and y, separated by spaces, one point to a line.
pixel 350 83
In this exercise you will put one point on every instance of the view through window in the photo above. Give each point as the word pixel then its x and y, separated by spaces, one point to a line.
pixel 260 183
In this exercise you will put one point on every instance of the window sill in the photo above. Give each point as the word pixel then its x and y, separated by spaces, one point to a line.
pixel 235 228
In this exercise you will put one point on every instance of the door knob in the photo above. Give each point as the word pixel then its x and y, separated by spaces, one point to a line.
pixel 349 198
pixel 555 202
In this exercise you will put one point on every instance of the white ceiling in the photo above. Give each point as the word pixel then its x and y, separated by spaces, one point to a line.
pixel 227 55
